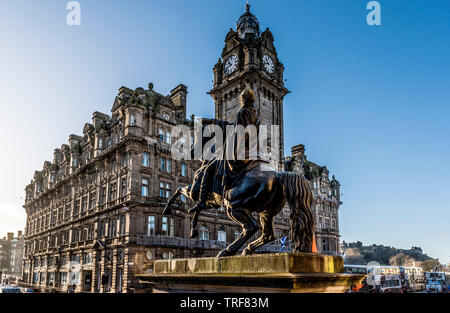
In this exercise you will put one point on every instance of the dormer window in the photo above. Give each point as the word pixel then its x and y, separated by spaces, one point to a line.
pixel 166 116
pixel 161 134
pixel 183 169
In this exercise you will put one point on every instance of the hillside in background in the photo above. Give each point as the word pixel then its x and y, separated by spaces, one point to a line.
pixel 356 253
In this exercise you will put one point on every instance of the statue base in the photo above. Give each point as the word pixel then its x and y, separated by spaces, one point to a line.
pixel 280 272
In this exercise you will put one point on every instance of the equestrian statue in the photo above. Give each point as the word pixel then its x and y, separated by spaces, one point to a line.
pixel 246 185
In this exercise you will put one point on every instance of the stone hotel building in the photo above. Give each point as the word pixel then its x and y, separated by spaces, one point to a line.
pixel 94 212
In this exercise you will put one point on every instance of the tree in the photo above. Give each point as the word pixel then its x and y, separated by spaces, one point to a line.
pixel 402 259
pixel 353 256
pixel 429 265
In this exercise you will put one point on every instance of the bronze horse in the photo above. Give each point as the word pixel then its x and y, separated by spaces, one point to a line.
pixel 264 190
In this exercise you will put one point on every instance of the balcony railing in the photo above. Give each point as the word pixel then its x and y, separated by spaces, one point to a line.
pixel 198 244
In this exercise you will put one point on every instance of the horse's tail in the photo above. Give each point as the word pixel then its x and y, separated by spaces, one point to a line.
pixel 300 198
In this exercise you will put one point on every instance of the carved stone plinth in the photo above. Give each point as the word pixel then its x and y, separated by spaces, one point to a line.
pixel 281 272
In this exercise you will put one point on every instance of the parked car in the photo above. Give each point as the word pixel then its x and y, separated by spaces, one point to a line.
pixel 30 290
pixel 10 289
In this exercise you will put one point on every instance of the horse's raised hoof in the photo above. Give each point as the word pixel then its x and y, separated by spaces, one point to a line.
pixel 194 233
pixel 223 253
pixel 167 210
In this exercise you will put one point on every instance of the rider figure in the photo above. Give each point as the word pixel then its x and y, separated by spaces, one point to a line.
pixel 247 115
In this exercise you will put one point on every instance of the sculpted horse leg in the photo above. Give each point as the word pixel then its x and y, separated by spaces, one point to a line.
pixel 168 208
pixel 249 227
pixel 267 233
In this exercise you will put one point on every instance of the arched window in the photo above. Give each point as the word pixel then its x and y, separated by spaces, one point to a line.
pixel 167 255
pixel 203 233
pixel 221 234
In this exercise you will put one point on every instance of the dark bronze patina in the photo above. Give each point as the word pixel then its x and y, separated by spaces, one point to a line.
pixel 247 186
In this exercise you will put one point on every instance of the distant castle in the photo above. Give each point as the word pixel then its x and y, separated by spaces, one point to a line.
pixel 356 252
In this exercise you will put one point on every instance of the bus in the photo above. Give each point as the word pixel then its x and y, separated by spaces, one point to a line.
pixel 386 279
pixel 436 281
pixel 414 278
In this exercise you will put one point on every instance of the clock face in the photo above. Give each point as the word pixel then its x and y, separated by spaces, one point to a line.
pixel 268 64
pixel 231 64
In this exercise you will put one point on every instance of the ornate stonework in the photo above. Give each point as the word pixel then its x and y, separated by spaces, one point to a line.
pixel 94 212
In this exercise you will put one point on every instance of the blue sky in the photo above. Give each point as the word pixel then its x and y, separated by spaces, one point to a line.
pixel 372 103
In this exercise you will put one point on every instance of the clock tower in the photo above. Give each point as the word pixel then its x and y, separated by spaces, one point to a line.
pixel 249 59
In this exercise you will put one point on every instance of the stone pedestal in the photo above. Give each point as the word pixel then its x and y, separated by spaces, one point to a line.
pixel 281 272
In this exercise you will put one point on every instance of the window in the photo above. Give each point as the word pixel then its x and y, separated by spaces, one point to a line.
pixel 51 277
pixel 103 195
pixel 76 208
pixel 124 159
pixel 124 186
pixel 84 204
pixel 93 177
pixel 164 190
pixel 100 143
pixel 113 192
pixel 145 185
pixel 172 227
pixel 63 278
pixel 168 138
pixel 87 258
pixel 146 159
pixel 108 143
pixel 112 228
pixel 169 165
pixel 113 166
pixel 166 116
pixel 92 200
pixel 167 255
pixel 90 232
pixel 102 228
pixel 221 235
pixel 122 225
pixel 161 134
pixel 237 233
pixel 203 233
pixel 165 226
pixel 183 198
pixel 132 120
pixel 183 169
pixel 163 163
pixel 151 225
